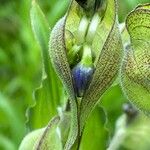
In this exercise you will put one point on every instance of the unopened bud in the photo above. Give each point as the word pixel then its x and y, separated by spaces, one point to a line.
pixel 83 72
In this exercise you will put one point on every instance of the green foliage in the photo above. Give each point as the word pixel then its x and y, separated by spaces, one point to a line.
pixel 95 135
pixel 105 65
pixel 48 95
pixel 24 60
pixel 135 68
pixel 40 138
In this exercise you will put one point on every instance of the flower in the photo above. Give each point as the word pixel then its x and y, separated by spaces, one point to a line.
pixel 82 73
pixel 89 65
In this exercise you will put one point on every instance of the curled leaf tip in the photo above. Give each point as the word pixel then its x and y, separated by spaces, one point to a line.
pixel 135 71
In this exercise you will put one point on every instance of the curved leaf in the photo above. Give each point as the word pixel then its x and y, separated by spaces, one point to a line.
pixel 135 68
pixel 43 139
pixel 95 129
pixel 50 139
pixel 108 62
pixel 59 59
pixel 48 95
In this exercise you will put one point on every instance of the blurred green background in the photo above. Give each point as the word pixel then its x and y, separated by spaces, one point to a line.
pixel 21 65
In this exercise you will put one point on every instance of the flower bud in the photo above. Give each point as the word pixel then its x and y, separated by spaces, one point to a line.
pixel 73 55
pixel 82 73
pixel 82 76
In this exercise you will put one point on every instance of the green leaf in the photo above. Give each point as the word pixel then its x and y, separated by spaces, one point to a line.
pixel 50 139
pixel 40 26
pixel 131 133
pixel 138 129
pixel 95 129
pixel 108 61
pixel 60 62
pixel 45 138
pixel 120 133
pixel 6 143
pixel 64 125
pixel 135 70
pixel 112 102
pixel 9 113
pixel 30 139
pixel 58 9
pixel 48 95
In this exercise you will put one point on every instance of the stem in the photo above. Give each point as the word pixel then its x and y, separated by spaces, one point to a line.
pixel 79 138
pixel 79 142
pixel 117 139
pixel 76 145
pixel 87 55
pixel 120 134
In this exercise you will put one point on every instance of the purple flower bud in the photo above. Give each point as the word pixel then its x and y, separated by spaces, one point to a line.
pixel 82 76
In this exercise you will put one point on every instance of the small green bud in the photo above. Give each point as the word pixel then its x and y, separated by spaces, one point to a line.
pixel 73 55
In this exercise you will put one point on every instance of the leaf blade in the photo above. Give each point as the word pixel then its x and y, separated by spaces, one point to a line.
pixel 59 59
pixel 135 68
pixel 109 59
pixel 48 96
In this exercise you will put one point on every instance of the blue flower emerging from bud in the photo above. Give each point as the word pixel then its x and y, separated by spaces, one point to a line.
pixel 82 73
pixel 82 76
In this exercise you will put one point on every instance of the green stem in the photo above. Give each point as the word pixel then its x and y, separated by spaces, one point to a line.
pixel 87 55
pixel 120 134
pixel 117 140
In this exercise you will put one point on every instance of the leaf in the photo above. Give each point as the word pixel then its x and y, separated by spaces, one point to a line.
pixel 137 130
pixel 58 9
pixel 95 129
pixel 135 70
pixel 50 140
pixel 120 133
pixel 112 102
pixel 40 26
pixel 59 59
pixel 6 143
pixel 48 95
pixel 131 133
pixel 64 126
pixel 9 113
pixel 43 139
pixel 30 139
pixel 108 63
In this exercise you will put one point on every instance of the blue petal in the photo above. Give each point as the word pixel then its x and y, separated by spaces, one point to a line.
pixel 82 76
